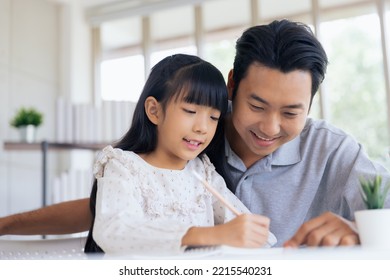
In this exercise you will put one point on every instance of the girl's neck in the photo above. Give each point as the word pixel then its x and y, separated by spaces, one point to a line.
pixel 164 162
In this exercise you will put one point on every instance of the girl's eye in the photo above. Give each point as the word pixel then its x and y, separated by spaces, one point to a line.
pixel 189 111
pixel 214 118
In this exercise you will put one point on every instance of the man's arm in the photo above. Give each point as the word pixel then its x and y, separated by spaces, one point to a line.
pixel 62 218
pixel 327 229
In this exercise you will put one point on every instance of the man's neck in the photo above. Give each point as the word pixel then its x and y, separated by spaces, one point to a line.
pixel 238 145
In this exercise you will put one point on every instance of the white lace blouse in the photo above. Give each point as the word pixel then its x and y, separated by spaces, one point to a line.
pixel 141 208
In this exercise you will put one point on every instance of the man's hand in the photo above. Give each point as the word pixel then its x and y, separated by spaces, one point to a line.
pixel 326 230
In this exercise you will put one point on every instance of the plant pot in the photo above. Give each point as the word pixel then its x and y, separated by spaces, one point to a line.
pixel 28 133
pixel 374 228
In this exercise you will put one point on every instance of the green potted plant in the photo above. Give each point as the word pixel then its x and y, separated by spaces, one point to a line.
pixel 26 120
pixel 372 193
pixel 373 223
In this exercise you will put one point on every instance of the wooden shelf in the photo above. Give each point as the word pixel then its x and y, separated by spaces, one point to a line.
pixel 10 145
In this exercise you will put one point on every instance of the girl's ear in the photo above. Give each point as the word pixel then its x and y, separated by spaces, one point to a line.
pixel 152 109
pixel 230 84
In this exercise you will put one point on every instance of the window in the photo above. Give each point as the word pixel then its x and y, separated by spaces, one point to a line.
pixel 353 93
pixel 221 32
pixel 168 37
pixel 159 55
pixel 355 82
pixel 122 78
pixel 122 68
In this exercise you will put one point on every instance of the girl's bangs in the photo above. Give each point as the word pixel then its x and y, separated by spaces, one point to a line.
pixel 203 86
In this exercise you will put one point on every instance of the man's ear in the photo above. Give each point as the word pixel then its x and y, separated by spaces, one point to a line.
pixel 230 84
pixel 152 109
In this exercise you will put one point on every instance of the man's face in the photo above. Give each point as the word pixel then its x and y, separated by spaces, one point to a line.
pixel 270 109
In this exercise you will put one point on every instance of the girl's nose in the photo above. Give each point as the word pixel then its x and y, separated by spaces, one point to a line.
pixel 200 125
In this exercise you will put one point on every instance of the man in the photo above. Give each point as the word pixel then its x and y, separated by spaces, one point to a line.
pixel 280 163
pixel 302 174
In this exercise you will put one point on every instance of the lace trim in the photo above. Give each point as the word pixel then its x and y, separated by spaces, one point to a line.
pixel 156 209
pixel 208 167
pixel 113 153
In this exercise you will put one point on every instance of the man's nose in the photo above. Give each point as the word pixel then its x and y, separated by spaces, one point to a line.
pixel 270 126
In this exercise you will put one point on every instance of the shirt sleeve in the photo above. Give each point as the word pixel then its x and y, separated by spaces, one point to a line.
pixel 347 164
pixel 120 224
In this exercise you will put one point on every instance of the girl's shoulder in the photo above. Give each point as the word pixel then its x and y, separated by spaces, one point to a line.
pixel 203 164
pixel 206 162
pixel 202 161
pixel 122 158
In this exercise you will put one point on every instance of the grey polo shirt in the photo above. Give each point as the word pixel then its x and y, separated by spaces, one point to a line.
pixel 318 171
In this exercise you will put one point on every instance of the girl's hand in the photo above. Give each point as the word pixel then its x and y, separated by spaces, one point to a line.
pixel 246 230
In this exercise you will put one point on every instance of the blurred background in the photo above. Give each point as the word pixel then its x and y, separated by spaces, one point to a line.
pixel 81 62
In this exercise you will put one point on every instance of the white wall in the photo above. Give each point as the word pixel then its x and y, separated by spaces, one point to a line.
pixel 44 53
pixel 4 95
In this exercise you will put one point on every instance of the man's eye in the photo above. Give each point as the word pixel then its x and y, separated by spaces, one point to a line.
pixel 290 114
pixel 258 108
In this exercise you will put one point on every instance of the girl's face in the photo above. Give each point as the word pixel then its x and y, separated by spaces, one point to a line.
pixel 184 131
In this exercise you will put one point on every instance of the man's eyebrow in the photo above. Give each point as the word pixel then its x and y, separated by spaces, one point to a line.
pixel 258 98
pixel 292 106
pixel 295 106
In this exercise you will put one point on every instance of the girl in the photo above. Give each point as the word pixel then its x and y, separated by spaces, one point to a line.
pixel 145 197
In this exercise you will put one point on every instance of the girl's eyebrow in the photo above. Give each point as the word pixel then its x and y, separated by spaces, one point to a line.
pixel 262 100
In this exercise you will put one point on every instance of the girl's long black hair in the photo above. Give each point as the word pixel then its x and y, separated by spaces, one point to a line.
pixel 201 83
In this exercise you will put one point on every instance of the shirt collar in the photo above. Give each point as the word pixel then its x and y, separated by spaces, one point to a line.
pixel 287 154
pixel 232 158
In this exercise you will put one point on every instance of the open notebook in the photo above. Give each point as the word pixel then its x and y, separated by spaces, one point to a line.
pixel 201 252
pixel 229 250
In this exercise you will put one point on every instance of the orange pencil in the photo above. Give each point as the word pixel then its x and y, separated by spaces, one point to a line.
pixel 217 194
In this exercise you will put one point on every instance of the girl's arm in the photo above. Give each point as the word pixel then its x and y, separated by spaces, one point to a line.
pixel 62 218
pixel 246 230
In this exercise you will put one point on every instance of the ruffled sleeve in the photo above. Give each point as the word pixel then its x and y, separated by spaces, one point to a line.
pixel 107 154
